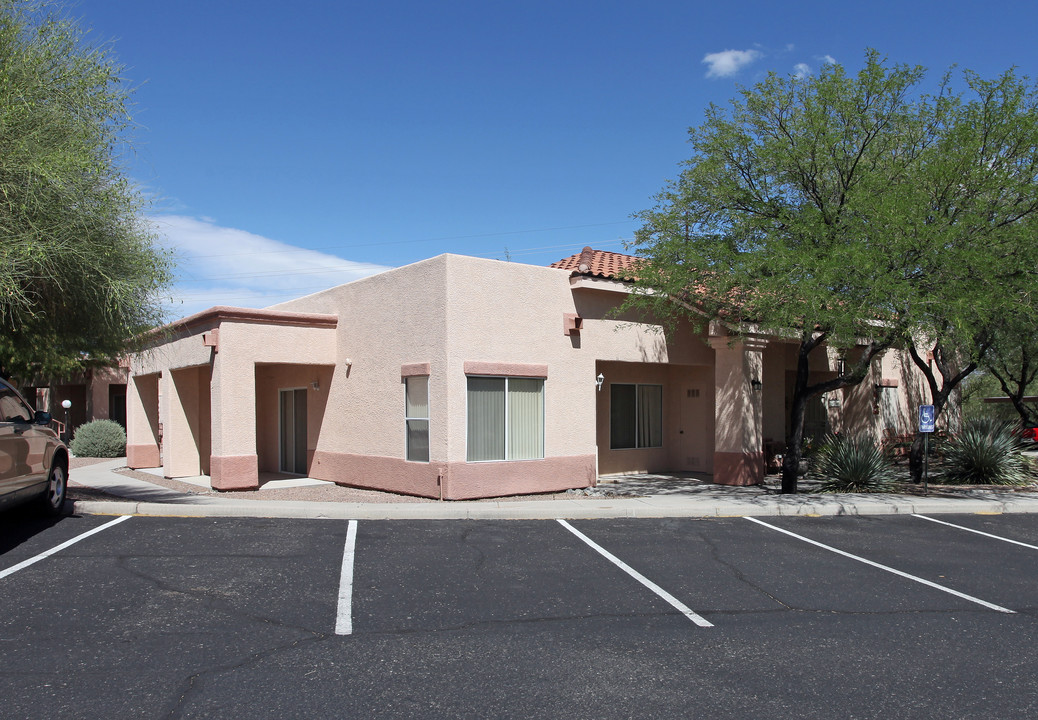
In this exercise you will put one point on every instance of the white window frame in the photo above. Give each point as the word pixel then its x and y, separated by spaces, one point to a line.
pixel 507 429
pixel 639 442
pixel 408 418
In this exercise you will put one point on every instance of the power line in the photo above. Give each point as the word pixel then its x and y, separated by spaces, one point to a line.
pixel 420 240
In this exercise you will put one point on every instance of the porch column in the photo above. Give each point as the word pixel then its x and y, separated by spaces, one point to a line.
pixel 180 422
pixel 142 421
pixel 738 440
pixel 234 464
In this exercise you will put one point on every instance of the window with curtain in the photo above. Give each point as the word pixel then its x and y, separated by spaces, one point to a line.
pixel 505 418
pixel 635 416
pixel 416 417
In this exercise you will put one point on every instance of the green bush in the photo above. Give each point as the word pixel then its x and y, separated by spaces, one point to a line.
pixel 987 452
pixel 847 464
pixel 99 439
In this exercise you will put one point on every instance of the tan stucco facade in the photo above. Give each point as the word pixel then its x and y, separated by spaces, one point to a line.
pixel 318 385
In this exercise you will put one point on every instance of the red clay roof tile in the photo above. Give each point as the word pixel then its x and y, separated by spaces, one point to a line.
pixel 600 263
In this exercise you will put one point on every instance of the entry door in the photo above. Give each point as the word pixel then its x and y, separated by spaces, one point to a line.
pixel 293 431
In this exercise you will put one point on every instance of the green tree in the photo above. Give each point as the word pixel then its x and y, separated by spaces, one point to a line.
pixel 845 210
pixel 1012 366
pixel 970 234
pixel 80 271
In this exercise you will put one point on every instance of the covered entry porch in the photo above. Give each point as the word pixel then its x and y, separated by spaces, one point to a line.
pixel 235 393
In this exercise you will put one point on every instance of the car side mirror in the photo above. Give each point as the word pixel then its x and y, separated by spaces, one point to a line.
pixel 42 418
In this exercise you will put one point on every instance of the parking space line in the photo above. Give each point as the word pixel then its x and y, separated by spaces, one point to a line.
pixel 978 532
pixel 344 613
pixel 674 602
pixel 899 573
pixel 26 563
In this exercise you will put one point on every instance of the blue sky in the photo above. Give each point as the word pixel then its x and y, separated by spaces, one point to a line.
pixel 290 148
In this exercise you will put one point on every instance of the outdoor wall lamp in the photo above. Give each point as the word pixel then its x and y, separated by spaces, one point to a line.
pixel 316 385
pixel 755 384
pixel 599 380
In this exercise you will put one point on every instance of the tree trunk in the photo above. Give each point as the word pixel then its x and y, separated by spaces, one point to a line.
pixel 939 394
pixel 795 440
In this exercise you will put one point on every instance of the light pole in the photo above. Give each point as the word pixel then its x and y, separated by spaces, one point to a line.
pixel 66 404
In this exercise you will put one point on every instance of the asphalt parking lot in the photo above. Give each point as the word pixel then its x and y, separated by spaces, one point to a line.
pixel 866 617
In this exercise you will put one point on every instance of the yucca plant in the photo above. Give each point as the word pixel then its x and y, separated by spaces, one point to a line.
pixel 988 451
pixel 851 464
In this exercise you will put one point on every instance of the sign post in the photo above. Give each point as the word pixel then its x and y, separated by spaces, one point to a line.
pixel 926 426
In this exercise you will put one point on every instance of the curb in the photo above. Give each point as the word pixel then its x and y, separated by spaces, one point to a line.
pixel 650 507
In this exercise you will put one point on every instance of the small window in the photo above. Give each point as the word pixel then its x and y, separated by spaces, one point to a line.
pixel 505 418
pixel 635 416
pixel 416 417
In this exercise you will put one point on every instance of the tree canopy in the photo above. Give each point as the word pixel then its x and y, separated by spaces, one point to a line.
pixel 854 210
pixel 80 271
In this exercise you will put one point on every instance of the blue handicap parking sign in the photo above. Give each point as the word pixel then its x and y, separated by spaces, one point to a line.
pixel 926 418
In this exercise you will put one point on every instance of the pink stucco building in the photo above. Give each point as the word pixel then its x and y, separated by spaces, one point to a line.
pixel 458 377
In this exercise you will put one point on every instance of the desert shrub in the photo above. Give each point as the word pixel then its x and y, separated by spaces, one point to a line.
pixel 851 464
pixel 987 452
pixel 99 439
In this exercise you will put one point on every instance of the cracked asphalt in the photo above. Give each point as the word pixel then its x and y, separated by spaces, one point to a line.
pixel 164 617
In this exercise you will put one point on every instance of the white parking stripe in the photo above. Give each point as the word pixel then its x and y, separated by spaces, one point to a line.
pixel 677 604
pixel 26 563
pixel 344 615
pixel 934 585
pixel 978 532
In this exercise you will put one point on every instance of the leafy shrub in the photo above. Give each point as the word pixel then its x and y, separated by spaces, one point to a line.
pixel 987 452
pixel 851 464
pixel 99 439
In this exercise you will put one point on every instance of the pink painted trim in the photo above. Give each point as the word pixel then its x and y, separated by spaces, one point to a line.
pixel 415 369
pixel 469 481
pixel 455 481
pixel 234 472
pixel 505 368
pixel 738 468
pixel 222 313
pixel 142 456
pixel 378 473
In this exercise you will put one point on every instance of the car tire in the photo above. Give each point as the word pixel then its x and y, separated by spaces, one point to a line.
pixel 52 502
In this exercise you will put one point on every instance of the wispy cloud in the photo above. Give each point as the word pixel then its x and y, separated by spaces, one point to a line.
pixel 801 70
pixel 827 59
pixel 729 62
pixel 226 266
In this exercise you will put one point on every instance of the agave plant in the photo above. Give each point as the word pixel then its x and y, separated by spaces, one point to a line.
pixel 852 464
pixel 988 451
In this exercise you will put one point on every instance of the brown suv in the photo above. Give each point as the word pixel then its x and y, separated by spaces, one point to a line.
pixel 33 461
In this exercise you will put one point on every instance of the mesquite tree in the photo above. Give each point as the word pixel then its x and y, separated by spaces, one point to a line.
pixel 851 210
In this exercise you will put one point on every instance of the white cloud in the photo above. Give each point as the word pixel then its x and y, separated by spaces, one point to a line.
pixel 801 70
pixel 828 60
pixel 226 266
pixel 729 62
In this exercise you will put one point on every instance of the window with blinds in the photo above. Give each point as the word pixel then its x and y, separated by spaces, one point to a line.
pixel 416 417
pixel 505 418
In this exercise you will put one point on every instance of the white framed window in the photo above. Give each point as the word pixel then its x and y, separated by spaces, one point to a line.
pixel 505 418
pixel 416 417
pixel 635 416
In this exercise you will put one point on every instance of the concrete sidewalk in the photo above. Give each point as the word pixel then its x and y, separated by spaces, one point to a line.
pixel 144 498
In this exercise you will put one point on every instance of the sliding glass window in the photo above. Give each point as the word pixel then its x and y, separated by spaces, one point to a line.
pixel 505 418
pixel 635 416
